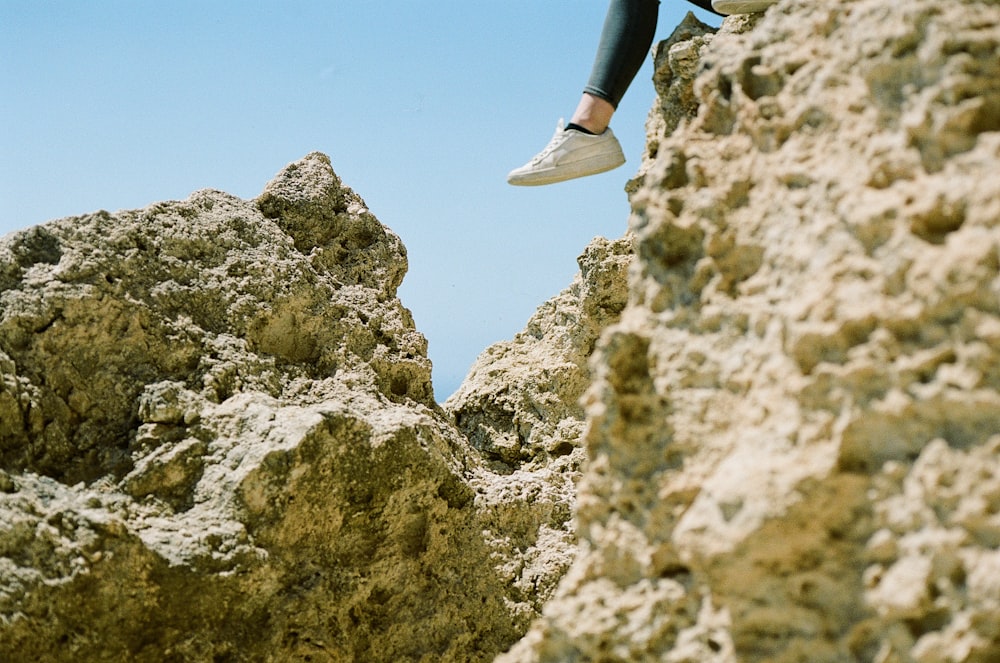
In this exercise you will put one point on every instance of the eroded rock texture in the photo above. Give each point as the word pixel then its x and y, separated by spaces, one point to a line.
pixel 520 403
pixel 794 430
pixel 218 442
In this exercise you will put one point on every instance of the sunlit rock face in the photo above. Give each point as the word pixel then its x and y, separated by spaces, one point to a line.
pixel 218 441
pixel 764 425
pixel 520 404
pixel 793 432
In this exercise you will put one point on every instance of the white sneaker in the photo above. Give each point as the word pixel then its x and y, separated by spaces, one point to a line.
pixel 741 6
pixel 570 154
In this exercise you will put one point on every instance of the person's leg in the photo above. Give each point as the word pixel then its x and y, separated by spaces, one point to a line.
pixel 627 36
pixel 624 45
pixel 593 114
pixel 587 146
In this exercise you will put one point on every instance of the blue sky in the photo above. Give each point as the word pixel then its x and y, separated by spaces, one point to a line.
pixel 422 105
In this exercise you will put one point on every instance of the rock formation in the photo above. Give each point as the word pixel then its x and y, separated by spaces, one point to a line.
pixel 520 403
pixel 793 432
pixel 218 442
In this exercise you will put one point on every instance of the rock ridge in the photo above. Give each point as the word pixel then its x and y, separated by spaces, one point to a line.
pixel 792 431
pixel 218 441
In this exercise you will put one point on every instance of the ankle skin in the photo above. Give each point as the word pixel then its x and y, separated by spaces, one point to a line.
pixel 593 113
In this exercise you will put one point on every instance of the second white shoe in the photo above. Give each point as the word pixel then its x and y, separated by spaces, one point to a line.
pixel 570 154
pixel 729 7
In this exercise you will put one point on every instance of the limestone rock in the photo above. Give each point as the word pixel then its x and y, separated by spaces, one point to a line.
pixel 793 430
pixel 218 442
pixel 520 403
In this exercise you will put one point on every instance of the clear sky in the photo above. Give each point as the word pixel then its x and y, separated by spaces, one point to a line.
pixel 422 105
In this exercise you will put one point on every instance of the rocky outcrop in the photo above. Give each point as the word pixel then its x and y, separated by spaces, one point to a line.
pixel 218 442
pixel 520 404
pixel 793 431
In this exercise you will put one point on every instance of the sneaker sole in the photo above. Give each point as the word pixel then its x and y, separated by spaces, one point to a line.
pixel 741 6
pixel 568 172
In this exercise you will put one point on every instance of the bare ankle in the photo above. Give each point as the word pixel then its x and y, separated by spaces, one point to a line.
pixel 593 113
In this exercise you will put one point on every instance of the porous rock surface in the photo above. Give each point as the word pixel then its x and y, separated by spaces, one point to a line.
pixel 520 403
pixel 793 432
pixel 218 442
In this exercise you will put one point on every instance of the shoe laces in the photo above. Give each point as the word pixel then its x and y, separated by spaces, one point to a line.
pixel 557 140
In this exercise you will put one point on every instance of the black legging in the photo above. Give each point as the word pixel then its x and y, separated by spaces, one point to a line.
pixel 625 41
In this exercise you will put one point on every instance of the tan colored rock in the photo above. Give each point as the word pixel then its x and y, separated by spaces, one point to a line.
pixel 218 442
pixel 520 403
pixel 217 436
pixel 792 433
